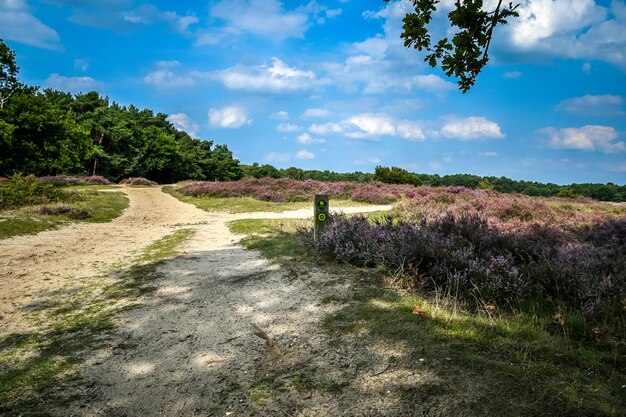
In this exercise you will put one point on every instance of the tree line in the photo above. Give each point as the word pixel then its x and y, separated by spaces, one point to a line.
pixel 49 132
pixel 52 132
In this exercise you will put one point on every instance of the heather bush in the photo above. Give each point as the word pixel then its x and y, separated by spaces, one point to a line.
pixel 287 190
pixel 22 190
pixel 463 254
pixel 511 212
pixel 61 180
pixel 64 210
pixel 137 181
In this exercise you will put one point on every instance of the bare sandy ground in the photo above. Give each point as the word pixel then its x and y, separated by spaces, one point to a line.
pixel 227 332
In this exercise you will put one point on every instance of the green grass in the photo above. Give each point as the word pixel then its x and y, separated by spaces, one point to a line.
pixel 36 366
pixel 274 238
pixel 248 204
pixel 519 364
pixel 102 207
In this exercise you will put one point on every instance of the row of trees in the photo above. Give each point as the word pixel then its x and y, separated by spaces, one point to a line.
pixel 267 170
pixel 52 132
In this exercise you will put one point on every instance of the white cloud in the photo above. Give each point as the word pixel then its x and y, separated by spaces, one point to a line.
pixel 275 78
pixel 280 115
pixel 382 64
pixel 586 68
pixel 304 154
pixel 367 161
pixel 278 157
pixel 307 139
pixel 288 128
pixel 81 64
pixel 588 138
pixel 380 76
pixel 594 105
pixel 265 18
pixel 375 125
pixel 578 29
pixel 369 124
pixel 72 84
pixel 116 16
pixel 488 154
pixel 326 128
pixel 228 117
pixel 166 77
pixel 330 13
pixel 18 24
pixel 512 74
pixel 471 128
pixel 316 113
pixel 410 130
pixel 183 122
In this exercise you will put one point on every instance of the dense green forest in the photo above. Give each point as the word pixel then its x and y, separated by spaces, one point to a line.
pixel 48 132
pixel 52 132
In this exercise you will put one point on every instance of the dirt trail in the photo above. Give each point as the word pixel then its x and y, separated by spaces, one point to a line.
pixel 226 331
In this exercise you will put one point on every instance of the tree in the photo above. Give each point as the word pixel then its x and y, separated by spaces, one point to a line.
pixel 8 73
pixel 465 55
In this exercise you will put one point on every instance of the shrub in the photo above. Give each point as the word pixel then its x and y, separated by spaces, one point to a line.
pixel 137 181
pixel 288 190
pixel 584 270
pixel 61 180
pixel 97 180
pixel 64 210
pixel 22 190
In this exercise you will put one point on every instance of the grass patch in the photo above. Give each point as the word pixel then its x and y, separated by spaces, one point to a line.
pixel 518 364
pixel 98 207
pixel 164 248
pixel 35 366
pixel 274 238
pixel 248 204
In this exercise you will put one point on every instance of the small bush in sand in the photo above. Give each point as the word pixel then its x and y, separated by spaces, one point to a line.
pixel 137 181
pixel 64 210
pixel 61 180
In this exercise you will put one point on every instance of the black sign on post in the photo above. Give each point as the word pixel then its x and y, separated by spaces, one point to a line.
pixel 320 209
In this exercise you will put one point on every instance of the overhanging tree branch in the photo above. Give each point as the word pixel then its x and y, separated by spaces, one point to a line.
pixel 466 54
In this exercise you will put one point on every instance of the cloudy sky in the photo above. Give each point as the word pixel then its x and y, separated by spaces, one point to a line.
pixel 328 84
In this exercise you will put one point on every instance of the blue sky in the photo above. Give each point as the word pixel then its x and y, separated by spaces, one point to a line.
pixel 329 85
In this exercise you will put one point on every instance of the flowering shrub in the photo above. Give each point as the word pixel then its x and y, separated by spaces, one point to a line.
pixel 288 190
pixel 26 190
pixel 513 212
pixel 584 269
pixel 71 180
pixel 64 210
pixel 137 181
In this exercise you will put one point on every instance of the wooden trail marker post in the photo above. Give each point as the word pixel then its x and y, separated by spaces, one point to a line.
pixel 321 212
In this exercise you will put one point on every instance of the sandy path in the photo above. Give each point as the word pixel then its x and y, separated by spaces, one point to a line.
pixel 222 320
pixel 33 266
